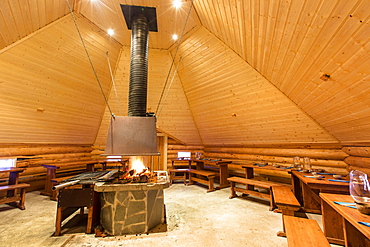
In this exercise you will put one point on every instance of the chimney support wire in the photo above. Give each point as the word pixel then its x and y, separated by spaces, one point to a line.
pixel 88 56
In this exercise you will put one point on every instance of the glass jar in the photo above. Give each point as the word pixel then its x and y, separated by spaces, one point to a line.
pixel 359 187
pixel 297 162
pixel 307 164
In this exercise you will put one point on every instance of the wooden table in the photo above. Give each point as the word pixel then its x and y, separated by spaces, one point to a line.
pixel 249 169
pixel 340 223
pixel 181 161
pixel 222 169
pixel 307 189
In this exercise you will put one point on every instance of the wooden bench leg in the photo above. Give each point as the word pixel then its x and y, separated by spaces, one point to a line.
pixel 23 198
pixel 272 201
pixel 185 178
pixel 211 186
pixel 171 177
pixel 233 193
pixel 190 179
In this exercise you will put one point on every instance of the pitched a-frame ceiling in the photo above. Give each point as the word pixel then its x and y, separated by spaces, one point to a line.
pixel 251 72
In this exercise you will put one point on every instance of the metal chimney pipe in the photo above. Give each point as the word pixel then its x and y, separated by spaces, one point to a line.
pixel 138 66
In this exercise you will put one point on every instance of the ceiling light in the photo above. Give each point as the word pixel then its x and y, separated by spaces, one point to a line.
pixel 110 32
pixel 177 3
pixel 175 37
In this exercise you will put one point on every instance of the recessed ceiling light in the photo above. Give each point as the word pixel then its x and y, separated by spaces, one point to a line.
pixel 175 37
pixel 110 32
pixel 177 3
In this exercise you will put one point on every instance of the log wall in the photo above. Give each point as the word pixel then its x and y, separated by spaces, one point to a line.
pixel 173 148
pixel 328 157
pixel 33 156
pixel 358 159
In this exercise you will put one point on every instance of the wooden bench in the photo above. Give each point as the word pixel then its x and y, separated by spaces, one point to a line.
pixel 21 198
pixel 174 176
pixel 210 178
pixel 250 183
pixel 286 202
pixel 303 232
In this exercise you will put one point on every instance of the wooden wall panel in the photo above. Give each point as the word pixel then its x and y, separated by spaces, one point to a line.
pixel 174 116
pixel 19 18
pixel 293 43
pixel 49 91
pixel 233 104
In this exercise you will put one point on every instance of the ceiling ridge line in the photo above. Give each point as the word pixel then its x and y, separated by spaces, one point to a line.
pixel 191 112
pixel 19 41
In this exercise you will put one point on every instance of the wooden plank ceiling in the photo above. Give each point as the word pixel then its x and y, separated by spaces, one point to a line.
pixel 251 71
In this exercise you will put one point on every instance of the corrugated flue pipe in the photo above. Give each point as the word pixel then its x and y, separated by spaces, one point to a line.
pixel 138 66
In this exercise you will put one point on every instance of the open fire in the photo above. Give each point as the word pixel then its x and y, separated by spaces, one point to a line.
pixel 136 172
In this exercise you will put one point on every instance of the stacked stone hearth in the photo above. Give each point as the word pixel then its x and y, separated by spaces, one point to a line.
pixel 131 208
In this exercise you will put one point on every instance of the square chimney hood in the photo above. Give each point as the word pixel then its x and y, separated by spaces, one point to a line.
pixel 132 136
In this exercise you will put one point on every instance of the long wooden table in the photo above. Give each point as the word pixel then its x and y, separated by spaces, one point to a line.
pixel 222 169
pixel 307 189
pixel 340 223
pixel 174 161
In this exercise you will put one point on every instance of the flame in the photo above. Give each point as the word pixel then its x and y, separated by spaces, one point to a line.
pixel 138 165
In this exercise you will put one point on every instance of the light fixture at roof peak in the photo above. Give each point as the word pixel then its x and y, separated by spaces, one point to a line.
pixel 175 37
pixel 177 3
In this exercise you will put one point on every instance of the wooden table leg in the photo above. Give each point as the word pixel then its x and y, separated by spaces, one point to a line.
pixel 297 189
pixel 224 174
pixel 330 218
pixel 50 174
pixel 13 179
pixel 249 173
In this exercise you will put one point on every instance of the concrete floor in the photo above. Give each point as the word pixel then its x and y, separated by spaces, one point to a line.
pixel 194 218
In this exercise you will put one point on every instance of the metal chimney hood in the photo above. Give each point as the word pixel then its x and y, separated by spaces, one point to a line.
pixel 132 136
pixel 136 135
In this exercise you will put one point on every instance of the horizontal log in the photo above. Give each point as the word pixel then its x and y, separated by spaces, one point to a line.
pixel 22 151
pixel 358 161
pixel 329 154
pixel 357 151
pixel 272 159
pixel 363 169
pixel 285 145
pixel 39 162
pixel 181 147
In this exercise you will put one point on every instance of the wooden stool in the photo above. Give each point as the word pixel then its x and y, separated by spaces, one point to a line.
pixel 174 176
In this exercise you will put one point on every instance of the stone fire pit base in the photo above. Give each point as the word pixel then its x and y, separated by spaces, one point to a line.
pixel 131 208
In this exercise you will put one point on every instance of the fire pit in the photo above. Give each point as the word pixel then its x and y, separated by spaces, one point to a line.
pixel 129 206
